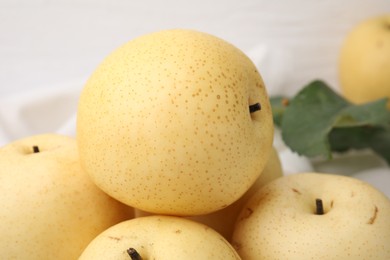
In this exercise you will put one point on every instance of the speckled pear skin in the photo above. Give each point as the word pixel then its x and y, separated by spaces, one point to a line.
pixel 164 123
pixel 280 221
pixel 223 220
pixel 160 237
pixel 49 207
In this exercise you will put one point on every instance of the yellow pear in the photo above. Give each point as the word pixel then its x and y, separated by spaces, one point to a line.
pixel 49 207
pixel 175 122
pixel 365 61
pixel 159 237
pixel 314 216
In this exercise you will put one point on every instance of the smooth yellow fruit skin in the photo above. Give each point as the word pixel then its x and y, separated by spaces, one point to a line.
pixel 279 221
pixel 364 67
pixel 223 220
pixel 49 207
pixel 160 237
pixel 163 123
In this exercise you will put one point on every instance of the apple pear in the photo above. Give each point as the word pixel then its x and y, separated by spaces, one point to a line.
pixel 223 220
pixel 314 216
pixel 49 207
pixel 364 67
pixel 175 122
pixel 159 237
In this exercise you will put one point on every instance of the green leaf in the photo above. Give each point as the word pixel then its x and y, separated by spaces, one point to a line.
pixel 375 138
pixel 372 113
pixel 318 122
pixel 309 119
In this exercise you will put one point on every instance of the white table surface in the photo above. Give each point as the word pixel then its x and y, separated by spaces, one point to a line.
pixel 49 48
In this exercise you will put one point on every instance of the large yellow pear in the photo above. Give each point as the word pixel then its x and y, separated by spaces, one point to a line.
pixel 159 237
pixel 314 216
pixel 49 207
pixel 175 122
pixel 365 61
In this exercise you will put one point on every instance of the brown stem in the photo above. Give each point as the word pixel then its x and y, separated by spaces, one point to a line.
pixel 319 207
pixel 35 149
pixel 134 254
pixel 255 107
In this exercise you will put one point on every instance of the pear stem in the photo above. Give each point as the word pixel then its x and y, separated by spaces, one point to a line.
pixel 255 107
pixel 319 207
pixel 134 254
pixel 35 149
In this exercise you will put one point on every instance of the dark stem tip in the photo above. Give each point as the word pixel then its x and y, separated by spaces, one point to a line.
pixel 35 149
pixel 319 207
pixel 133 254
pixel 255 107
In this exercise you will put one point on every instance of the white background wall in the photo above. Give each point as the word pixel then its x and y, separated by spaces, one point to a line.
pixel 45 42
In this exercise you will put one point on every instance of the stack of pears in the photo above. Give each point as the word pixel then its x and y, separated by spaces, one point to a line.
pixel 173 159
pixel 176 124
